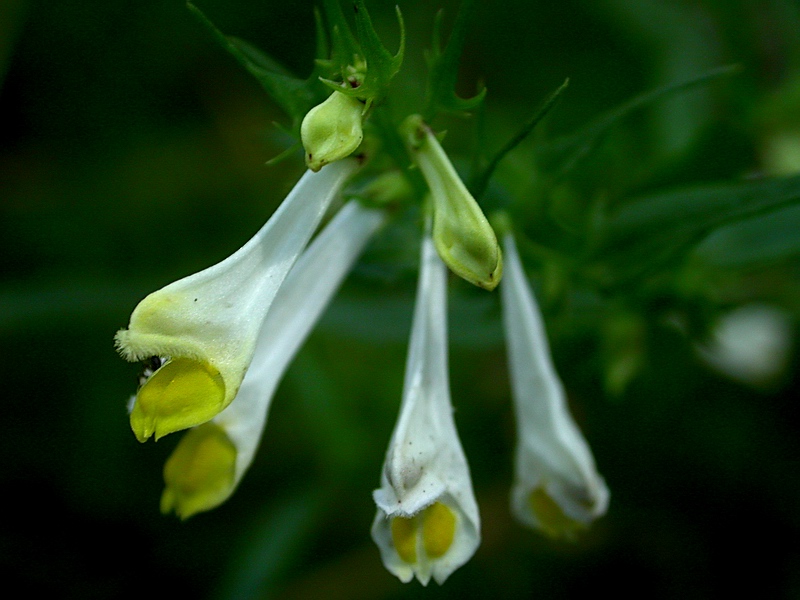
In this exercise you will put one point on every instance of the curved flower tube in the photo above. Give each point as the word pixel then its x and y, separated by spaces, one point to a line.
pixel 202 475
pixel 427 522
pixel 557 489
pixel 206 325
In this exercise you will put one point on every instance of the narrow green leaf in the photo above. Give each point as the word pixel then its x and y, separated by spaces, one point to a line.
pixel 562 155
pixel 344 46
pixel 443 68
pixel 295 96
pixel 381 65
pixel 482 180
pixel 651 231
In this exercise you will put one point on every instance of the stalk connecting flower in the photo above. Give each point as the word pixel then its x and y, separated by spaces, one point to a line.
pixel 205 326
pixel 464 238
pixel 211 460
pixel 557 489
pixel 427 522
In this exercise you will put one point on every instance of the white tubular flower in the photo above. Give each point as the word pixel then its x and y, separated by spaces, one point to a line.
pixel 206 324
pixel 427 522
pixel 557 489
pixel 210 460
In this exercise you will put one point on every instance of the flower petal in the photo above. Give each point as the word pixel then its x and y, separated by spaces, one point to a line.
pixel 427 522
pixel 298 305
pixel 557 487
pixel 210 320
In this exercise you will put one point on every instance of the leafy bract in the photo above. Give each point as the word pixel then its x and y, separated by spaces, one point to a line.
pixel 443 68
pixel 295 96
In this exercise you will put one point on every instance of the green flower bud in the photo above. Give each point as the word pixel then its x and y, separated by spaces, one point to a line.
pixel 332 130
pixel 464 239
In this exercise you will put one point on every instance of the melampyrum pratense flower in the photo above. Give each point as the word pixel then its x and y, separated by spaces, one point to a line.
pixel 211 459
pixel 557 488
pixel 203 328
pixel 217 342
pixel 427 522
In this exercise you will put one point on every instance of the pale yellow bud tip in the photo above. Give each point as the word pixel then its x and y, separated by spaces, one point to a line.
pixel 470 251
pixel 181 394
pixel 550 518
pixel 434 527
pixel 200 473
pixel 332 130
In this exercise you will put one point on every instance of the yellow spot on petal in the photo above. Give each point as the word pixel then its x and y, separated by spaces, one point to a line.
pixel 550 517
pixel 200 472
pixel 404 536
pixel 435 525
pixel 438 529
pixel 181 394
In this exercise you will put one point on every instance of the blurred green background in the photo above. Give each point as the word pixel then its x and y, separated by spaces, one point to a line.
pixel 133 153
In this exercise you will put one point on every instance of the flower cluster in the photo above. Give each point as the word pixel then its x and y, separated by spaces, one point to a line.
pixel 217 343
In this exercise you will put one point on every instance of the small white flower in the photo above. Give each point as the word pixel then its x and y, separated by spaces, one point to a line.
pixel 211 459
pixel 750 344
pixel 206 324
pixel 427 522
pixel 557 487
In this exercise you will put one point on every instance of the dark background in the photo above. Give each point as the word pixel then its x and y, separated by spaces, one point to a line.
pixel 133 153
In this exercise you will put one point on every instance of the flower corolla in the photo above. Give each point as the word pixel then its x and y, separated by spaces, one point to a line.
pixel 557 488
pixel 427 521
pixel 211 460
pixel 204 327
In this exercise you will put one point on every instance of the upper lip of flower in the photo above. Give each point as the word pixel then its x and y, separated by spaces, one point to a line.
pixel 425 482
pixel 211 319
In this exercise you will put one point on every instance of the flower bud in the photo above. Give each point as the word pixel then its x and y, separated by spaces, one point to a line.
pixel 464 239
pixel 332 130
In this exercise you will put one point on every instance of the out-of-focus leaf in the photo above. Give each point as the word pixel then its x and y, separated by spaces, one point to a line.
pixel 564 154
pixel 478 186
pixel 652 229
pixel 443 68
pixel 327 417
pixel 766 238
pixel 699 209
pixel 295 96
pixel 270 549
pixel 474 319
